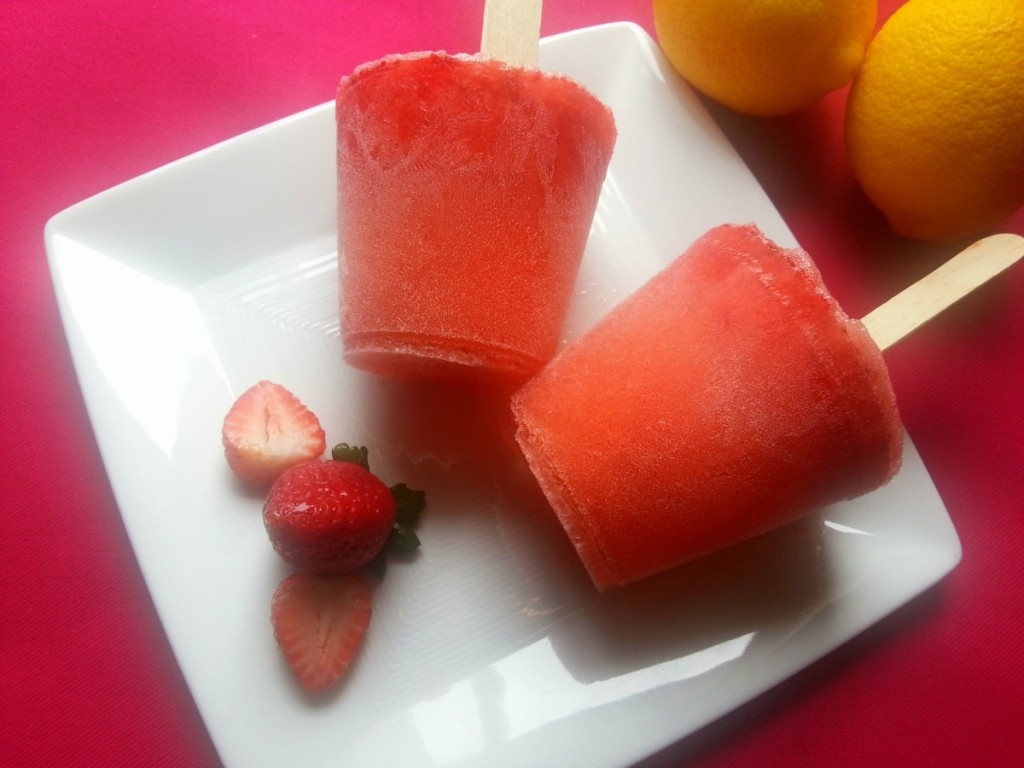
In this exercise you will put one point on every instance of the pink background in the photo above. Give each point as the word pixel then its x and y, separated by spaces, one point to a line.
pixel 92 94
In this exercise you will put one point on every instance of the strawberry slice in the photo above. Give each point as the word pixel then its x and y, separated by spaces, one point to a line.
pixel 268 430
pixel 319 623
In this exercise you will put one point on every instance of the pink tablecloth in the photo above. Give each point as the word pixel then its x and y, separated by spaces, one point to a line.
pixel 92 94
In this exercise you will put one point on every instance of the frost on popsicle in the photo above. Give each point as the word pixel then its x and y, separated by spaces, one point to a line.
pixel 467 188
pixel 734 396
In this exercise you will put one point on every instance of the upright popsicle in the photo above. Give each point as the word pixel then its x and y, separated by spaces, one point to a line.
pixel 726 397
pixel 466 190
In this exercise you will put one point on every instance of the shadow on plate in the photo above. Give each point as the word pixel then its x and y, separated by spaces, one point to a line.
pixel 746 599
pixel 753 596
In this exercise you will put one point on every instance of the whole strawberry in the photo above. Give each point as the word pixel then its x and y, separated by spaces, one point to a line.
pixel 328 517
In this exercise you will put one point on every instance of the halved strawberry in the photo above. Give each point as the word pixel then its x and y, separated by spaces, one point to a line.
pixel 268 430
pixel 319 623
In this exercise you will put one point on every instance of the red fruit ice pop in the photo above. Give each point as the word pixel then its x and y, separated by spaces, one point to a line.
pixel 466 190
pixel 726 397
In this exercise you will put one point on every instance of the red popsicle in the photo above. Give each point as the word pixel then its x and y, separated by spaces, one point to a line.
pixel 728 396
pixel 467 187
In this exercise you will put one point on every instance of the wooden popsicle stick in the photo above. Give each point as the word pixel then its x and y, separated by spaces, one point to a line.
pixel 512 31
pixel 972 267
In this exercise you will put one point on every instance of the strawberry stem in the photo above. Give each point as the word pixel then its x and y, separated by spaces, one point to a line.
pixel 402 540
pixel 356 454
pixel 409 503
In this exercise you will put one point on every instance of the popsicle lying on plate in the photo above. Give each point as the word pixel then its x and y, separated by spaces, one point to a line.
pixel 728 396
pixel 466 190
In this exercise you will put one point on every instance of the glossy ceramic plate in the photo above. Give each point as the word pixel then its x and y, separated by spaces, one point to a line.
pixel 489 648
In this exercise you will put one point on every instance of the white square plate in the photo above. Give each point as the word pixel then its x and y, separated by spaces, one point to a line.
pixel 490 648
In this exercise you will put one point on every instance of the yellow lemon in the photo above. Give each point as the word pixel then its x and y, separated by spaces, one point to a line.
pixel 765 57
pixel 935 117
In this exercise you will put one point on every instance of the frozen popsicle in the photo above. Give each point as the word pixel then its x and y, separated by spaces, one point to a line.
pixel 467 187
pixel 728 396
